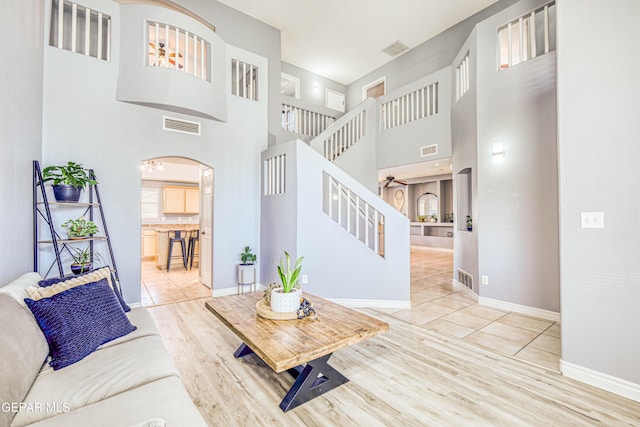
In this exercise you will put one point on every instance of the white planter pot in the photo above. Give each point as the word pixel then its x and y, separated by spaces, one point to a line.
pixel 285 302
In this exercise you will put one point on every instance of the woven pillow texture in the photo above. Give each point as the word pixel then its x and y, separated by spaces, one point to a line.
pixel 79 320
pixel 50 287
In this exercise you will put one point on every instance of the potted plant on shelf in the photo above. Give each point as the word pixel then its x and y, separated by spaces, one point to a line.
pixel 68 181
pixel 469 223
pixel 247 269
pixel 287 298
pixel 80 228
pixel 81 261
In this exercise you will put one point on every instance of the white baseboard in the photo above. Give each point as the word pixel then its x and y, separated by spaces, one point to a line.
pixel 460 287
pixel 429 248
pixel 522 309
pixel 371 303
pixel 598 379
pixel 134 304
pixel 234 290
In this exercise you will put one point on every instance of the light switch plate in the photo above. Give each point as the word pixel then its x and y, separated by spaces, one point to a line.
pixel 592 220
pixel 485 280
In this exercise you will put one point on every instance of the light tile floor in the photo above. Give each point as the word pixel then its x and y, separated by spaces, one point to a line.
pixel 437 306
pixel 160 287
pixel 434 305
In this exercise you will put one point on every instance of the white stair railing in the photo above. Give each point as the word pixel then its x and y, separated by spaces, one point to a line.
pixel 353 214
pixel 344 137
pixel 410 106
pixel 303 121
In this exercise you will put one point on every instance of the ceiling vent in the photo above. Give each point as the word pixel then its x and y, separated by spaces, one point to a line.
pixel 179 125
pixel 395 48
pixel 428 150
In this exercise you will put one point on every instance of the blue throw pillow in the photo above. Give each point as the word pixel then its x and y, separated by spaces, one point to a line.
pixel 79 320
pixel 48 282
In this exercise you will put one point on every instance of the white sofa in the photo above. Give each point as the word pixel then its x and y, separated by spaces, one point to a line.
pixel 130 381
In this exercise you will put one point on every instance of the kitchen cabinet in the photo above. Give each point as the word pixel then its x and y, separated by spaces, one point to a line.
pixel 149 243
pixel 181 200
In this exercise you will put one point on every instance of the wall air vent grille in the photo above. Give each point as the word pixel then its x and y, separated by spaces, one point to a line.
pixel 465 279
pixel 179 125
pixel 428 150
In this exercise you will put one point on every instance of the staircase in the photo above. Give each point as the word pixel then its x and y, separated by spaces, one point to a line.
pixel 356 246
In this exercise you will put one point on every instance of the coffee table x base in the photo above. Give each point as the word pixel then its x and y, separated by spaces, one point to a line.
pixel 312 380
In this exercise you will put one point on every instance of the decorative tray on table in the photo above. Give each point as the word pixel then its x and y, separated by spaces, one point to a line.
pixel 264 310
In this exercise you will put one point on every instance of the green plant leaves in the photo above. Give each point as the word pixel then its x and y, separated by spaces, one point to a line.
pixel 73 174
pixel 287 276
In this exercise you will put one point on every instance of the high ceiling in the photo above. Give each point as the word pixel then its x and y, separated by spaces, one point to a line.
pixel 343 39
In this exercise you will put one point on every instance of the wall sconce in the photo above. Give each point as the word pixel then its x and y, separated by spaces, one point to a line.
pixel 497 153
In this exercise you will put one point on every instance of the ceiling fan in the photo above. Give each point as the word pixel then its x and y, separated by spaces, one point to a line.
pixel 162 54
pixel 391 179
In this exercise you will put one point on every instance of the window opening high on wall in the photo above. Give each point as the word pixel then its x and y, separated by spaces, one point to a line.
pixel 174 48
pixel 79 29
pixel 527 37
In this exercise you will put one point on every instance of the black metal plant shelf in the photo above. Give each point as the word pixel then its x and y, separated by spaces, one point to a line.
pixel 42 218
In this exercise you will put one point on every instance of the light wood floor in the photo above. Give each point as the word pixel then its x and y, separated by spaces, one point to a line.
pixel 410 376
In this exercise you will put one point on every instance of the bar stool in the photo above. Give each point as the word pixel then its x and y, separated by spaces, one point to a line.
pixel 191 249
pixel 177 238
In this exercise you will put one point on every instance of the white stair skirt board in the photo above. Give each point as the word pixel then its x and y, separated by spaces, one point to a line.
pixel 460 287
pixel 371 303
pixel 522 309
pixel 598 379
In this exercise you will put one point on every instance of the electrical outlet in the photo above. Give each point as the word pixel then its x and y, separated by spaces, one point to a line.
pixel 305 279
pixel 591 219
pixel 485 280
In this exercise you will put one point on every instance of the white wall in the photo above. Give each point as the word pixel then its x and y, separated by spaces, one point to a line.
pixel 464 137
pixel 83 122
pixel 517 219
pixel 21 37
pixel 598 134
pixel 401 145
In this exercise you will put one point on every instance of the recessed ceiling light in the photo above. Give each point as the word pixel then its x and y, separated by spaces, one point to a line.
pixel 436 165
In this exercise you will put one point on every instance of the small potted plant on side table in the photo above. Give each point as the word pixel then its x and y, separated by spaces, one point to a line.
pixel 247 268
pixel 469 223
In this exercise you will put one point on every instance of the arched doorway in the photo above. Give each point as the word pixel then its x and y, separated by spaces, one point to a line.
pixel 176 202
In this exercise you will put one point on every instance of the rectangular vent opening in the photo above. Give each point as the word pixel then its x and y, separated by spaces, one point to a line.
pixel 395 48
pixel 465 279
pixel 179 125
pixel 428 150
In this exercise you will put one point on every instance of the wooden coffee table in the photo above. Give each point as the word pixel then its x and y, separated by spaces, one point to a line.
pixel 285 345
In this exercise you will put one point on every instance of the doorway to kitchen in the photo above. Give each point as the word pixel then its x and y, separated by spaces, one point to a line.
pixel 176 231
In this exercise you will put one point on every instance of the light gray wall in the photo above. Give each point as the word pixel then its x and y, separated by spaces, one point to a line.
pixel 517 219
pixel 308 91
pixel 243 31
pixel 424 59
pixel 21 38
pixel 84 122
pixel 598 166
pixel 464 137
pixel 401 145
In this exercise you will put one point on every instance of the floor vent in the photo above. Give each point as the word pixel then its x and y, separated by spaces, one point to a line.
pixel 428 150
pixel 465 278
pixel 179 125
